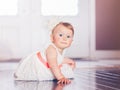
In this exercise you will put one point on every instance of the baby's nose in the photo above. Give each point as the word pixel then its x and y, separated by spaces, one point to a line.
pixel 64 38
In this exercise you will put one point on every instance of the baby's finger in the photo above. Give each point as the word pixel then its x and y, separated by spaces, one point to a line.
pixel 59 81
pixel 62 81
pixel 68 81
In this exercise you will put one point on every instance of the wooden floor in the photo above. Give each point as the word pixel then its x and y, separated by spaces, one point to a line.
pixel 89 77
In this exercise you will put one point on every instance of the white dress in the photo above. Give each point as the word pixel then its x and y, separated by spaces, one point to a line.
pixel 35 67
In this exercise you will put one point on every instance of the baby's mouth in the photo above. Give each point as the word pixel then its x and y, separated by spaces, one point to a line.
pixel 63 42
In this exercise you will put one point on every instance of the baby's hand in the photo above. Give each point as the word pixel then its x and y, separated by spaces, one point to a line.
pixel 64 81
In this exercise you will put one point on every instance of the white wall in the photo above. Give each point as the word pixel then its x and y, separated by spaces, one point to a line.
pixel 28 31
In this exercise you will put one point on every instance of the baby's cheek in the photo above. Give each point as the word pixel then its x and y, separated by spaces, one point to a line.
pixel 70 41
pixel 56 39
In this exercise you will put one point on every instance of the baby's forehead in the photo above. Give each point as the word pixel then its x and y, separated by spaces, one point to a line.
pixel 62 28
pixel 64 31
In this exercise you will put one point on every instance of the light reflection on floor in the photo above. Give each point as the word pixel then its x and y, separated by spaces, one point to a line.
pixel 88 76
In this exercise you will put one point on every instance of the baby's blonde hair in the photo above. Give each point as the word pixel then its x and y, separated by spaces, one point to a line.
pixel 66 24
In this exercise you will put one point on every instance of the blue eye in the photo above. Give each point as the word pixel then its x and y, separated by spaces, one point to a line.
pixel 60 35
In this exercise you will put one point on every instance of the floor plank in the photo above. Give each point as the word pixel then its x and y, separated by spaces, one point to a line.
pixel 86 78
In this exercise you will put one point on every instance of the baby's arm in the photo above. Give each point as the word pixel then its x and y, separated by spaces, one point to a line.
pixel 51 55
pixel 70 62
